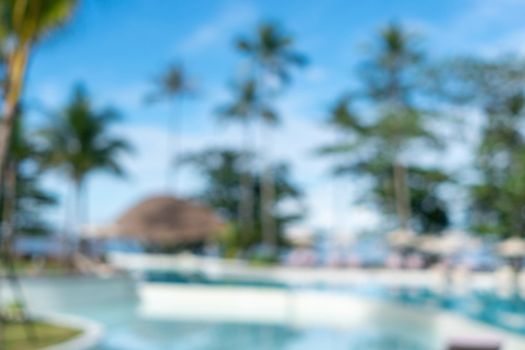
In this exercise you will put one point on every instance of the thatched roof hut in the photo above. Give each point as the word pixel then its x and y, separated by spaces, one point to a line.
pixel 169 221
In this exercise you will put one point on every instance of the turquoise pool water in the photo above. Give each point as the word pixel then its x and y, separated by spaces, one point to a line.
pixel 113 303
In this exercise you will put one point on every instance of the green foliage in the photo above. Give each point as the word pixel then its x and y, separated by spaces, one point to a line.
pixel 429 209
pixel 496 89
pixel 171 83
pixel 13 311
pixel 221 171
pixel 271 55
pixel 389 77
pixel 382 126
pixel 79 141
pixel 390 74
pixel 29 198
pixel 229 241
pixel 272 50
pixel 248 105
pixel 28 21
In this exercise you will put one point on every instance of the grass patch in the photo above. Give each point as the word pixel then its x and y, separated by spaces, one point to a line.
pixel 14 335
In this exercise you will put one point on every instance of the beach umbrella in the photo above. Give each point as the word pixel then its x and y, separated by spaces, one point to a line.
pixel 300 237
pixel 401 239
pixel 99 231
pixel 448 244
pixel 512 248
pixel 443 247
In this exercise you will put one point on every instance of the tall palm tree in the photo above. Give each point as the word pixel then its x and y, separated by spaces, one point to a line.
pixel 23 23
pixel 272 53
pixel 79 142
pixel 393 59
pixel 22 198
pixel 390 77
pixel 246 107
pixel 172 86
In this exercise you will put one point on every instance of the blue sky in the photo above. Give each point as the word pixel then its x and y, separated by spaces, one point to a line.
pixel 116 47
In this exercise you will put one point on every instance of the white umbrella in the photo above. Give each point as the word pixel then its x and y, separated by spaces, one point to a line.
pixel 100 231
pixel 513 250
pixel 513 247
pixel 401 238
pixel 448 244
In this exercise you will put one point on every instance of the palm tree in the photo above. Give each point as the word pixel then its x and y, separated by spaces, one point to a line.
pixel 22 198
pixel 172 86
pixel 387 75
pixel 79 143
pixel 245 108
pixel 389 84
pixel 272 54
pixel 23 24
pixel 221 168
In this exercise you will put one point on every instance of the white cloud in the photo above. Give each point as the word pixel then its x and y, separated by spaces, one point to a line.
pixel 127 98
pixel 219 28
pixel 315 73
pixel 330 208
pixel 511 42
pixel 485 26
pixel 48 95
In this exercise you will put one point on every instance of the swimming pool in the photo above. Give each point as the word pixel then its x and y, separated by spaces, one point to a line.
pixel 114 304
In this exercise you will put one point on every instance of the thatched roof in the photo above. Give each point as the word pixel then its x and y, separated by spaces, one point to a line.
pixel 166 220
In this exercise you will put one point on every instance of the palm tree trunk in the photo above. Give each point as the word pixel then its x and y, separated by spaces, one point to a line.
pixel 85 207
pixel 78 209
pixel 267 200
pixel 64 236
pixel 16 69
pixel 266 178
pixel 246 182
pixel 9 191
pixel 8 233
pixel 76 224
pixel 402 195
pixel 173 145
pixel 169 150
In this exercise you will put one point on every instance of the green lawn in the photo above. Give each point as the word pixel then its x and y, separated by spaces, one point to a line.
pixel 14 336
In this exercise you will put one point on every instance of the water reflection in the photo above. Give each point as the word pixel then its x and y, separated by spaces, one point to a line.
pixel 117 309
pixel 114 304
